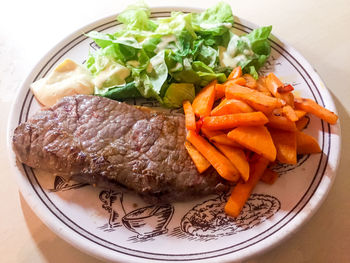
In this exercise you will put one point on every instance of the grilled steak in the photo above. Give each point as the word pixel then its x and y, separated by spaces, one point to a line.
pixel 94 139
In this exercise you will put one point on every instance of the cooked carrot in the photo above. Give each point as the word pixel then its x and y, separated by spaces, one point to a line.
pixel 200 162
pixel 261 85
pixel 203 102
pixel 237 157
pixel 280 122
pixel 286 145
pixel 219 91
pixel 239 81
pixel 221 164
pixel 250 81
pixel 306 144
pixel 210 133
pixel 312 107
pixel 233 120
pixel 223 139
pixel 256 139
pixel 302 123
pixel 190 120
pixel 289 113
pixel 235 73
pixel 230 106
pixel 300 113
pixel 255 99
pixel 273 83
pixel 287 97
pixel 269 176
pixel 242 191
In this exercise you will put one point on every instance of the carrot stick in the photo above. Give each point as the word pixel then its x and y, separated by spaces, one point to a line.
pixel 306 144
pixel 190 120
pixel 312 107
pixel 261 85
pixel 250 81
pixel 210 133
pixel 235 73
pixel 203 102
pixel 256 139
pixel 200 162
pixel 280 122
pixel 300 113
pixel 237 157
pixel 286 145
pixel 289 113
pixel 254 98
pixel 269 176
pixel 223 139
pixel 221 164
pixel 239 81
pixel 242 191
pixel 219 91
pixel 230 106
pixel 233 120
pixel 302 123
pixel 273 83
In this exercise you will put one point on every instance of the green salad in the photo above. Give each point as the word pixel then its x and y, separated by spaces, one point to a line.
pixel 170 59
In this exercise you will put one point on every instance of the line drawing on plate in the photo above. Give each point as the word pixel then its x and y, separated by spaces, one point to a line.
pixel 146 222
pixel 283 168
pixel 62 184
pixel 208 220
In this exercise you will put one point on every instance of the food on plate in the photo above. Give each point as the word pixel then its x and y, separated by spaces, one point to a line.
pixel 68 78
pixel 94 139
pixel 253 124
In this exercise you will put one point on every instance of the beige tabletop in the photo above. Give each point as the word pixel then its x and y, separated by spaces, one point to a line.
pixel 318 29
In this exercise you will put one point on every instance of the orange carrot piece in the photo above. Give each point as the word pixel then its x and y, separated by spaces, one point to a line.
pixel 230 107
pixel 250 81
pixel 210 133
pixel 287 97
pixel 200 162
pixel 261 85
pixel 256 139
pixel 273 83
pixel 190 120
pixel 269 176
pixel 286 145
pixel 242 191
pixel 306 144
pixel 233 120
pixel 239 81
pixel 219 91
pixel 235 73
pixel 302 123
pixel 289 113
pixel 223 139
pixel 312 107
pixel 300 113
pixel 255 99
pixel 221 164
pixel 203 102
pixel 280 122
pixel 237 157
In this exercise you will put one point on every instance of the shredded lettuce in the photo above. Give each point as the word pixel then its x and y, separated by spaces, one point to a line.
pixel 193 48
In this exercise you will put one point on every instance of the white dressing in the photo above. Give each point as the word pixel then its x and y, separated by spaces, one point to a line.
pixel 113 74
pixel 68 78
pixel 164 42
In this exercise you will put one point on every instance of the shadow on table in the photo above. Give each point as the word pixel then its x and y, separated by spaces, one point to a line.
pixel 53 248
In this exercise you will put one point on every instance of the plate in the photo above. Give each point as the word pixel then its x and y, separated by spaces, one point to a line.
pixel 117 226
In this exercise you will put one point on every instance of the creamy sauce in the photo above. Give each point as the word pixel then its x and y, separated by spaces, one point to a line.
pixel 229 57
pixel 113 74
pixel 68 78
pixel 164 42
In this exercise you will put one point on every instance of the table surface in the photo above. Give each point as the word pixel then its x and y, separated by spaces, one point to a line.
pixel 318 29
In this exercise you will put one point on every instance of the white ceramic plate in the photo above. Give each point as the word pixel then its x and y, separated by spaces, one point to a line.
pixel 121 227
